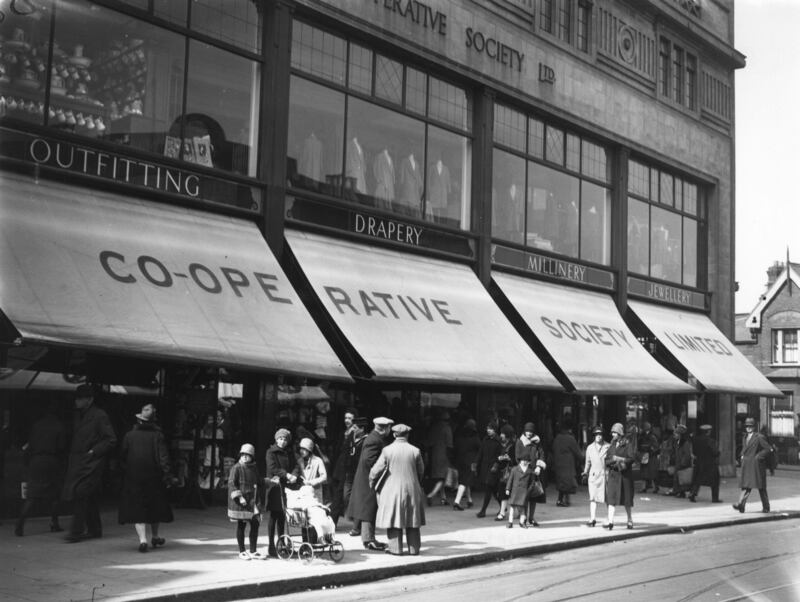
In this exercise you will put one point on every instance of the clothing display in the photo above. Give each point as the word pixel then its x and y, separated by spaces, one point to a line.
pixel 411 185
pixel 356 165
pixel 439 185
pixel 383 171
pixel 310 164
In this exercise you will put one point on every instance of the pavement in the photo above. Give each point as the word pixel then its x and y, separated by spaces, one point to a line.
pixel 200 559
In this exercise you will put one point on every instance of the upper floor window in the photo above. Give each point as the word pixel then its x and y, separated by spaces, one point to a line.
pixel 665 212
pixel 550 188
pixel 567 20
pixel 367 128
pixel 677 74
pixel 784 346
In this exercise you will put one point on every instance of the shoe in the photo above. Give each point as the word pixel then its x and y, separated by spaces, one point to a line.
pixel 457 507
pixel 242 555
pixel 500 517
pixel 73 538
pixel 765 510
pixel 481 514
pixel 682 494
pixel 739 507
pixel 55 527
pixel 591 523
pixel 630 525
pixel 143 547
pixel 671 493
pixel 533 523
pixel 608 526
pixel 355 533
pixel 560 504
pixel 257 556
pixel 272 552
pixel 524 525
pixel 716 501
pixel 509 526
pixel 374 546
pixel 158 541
pixel 469 504
pixel 443 502
pixel 693 499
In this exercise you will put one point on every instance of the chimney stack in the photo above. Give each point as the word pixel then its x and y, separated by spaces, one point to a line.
pixel 773 272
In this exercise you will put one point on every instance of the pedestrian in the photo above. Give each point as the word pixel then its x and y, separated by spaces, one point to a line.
pixel 281 472
pixel 486 464
pixel 363 504
pixel 706 464
pixel 566 459
pixel 243 501
pixel 753 475
pixel 401 508
pixel 467 444
pixel 648 447
pixel 682 460
pixel 341 451
pixel 312 469
pixel 620 457
pixel 594 470
pixel 503 464
pixel 44 455
pixel 440 452
pixel 526 440
pixel 517 488
pixel 537 455
pixel 144 460
pixel 351 465
pixel 93 438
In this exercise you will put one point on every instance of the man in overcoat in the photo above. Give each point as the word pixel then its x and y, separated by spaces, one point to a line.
pixel 755 449
pixel 363 504
pixel 92 439
pixel 401 504
pixel 706 464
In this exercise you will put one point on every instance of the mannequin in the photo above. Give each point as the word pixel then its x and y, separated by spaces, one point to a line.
pixel 356 166
pixel 411 185
pixel 438 188
pixel 383 170
pixel 310 164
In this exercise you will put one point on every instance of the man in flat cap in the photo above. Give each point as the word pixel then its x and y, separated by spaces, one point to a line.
pixel 93 438
pixel 363 504
pixel 755 449
pixel 706 464
pixel 401 504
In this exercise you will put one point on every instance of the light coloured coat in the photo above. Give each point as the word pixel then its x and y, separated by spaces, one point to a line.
pixel 401 502
pixel 312 469
pixel 595 469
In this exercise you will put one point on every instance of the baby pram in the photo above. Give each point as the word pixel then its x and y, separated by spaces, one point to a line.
pixel 310 530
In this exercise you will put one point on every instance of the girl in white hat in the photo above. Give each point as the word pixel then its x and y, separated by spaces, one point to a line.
pixel 312 469
pixel 243 504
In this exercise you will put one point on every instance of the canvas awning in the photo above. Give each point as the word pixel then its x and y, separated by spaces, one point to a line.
pixel 698 345
pixel 416 319
pixel 587 338
pixel 105 272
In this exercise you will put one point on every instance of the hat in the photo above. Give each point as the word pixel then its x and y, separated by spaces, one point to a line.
pixel 750 422
pixel 681 428
pixel 401 430
pixel 646 426
pixel 148 418
pixel 618 429
pixel 470 425
pixel 248 449
pixel 307 444
pixel 361 421
pixel 507 430
pixel 84 391
pixel 382 421
pixel 528 428
pixel 524 457
pixel 598 430
pixel 492 425
pixel 282 433
pixel 705 427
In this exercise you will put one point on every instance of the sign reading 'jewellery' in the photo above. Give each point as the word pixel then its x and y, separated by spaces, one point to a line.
pixel 554 268
pixel 99 163
pixel 669 294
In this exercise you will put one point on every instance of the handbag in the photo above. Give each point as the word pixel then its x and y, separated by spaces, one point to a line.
pixel 506 474
pixel 535 490
pixel 685 476
pixel 645 458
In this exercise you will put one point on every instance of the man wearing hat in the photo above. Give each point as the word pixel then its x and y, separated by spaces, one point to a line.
pixel 352 456
pixel 363 504
pixel 338 503
pixel 706 464
pixel 400 500
pixel 753 475
pixel 93 438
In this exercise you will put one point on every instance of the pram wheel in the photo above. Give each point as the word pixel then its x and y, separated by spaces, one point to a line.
pixel 284 547
pixel 336 551
pixel 305 552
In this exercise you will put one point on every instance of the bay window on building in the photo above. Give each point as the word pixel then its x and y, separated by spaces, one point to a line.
pixel 784 346
pixel 665 213
pixel 550 188
pixel 368 129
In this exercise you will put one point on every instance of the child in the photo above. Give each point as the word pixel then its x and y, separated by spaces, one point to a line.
pixel 312 469
pixel 517 490
pixel 242 500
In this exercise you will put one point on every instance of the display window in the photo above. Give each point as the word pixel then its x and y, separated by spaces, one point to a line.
pixel 550 188
pixel 372 130
pixel 111 76
pixel 665 213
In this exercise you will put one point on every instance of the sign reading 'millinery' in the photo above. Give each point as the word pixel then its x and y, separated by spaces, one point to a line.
pixel 551 267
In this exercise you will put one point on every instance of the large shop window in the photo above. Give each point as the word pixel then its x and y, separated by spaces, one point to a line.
pixel 118 78
pixel 372 130
pixel 664 216
pixel 550 188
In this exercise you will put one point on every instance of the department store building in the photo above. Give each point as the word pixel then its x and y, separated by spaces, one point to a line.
pixel 262 213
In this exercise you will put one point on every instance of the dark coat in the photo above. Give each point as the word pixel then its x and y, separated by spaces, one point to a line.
pixel 486 459
pixel 92 433
pixel 619 481
pixel 754 457
pixel 353 456
pixel 566 459
pixel 537 455
pixel 518 485
pixel 440 446
pixel 467 444
pixel 363 501
pixel 706 463
pixel 45 457
pixel 281 463
pixel 243 481
pixel 145 465
pixel 648 443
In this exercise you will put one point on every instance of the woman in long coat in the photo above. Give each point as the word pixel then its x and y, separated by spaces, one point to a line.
pixel 620 457
pixel 648 444
pixel 440 448
pixel 753 475
pixel 683 458
pixel 144 460
pixel 281 471
pixel 467 445
pixel 566 458
pixel 506 460
pixel 486 464
pixel 594 469
pixel 400 500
